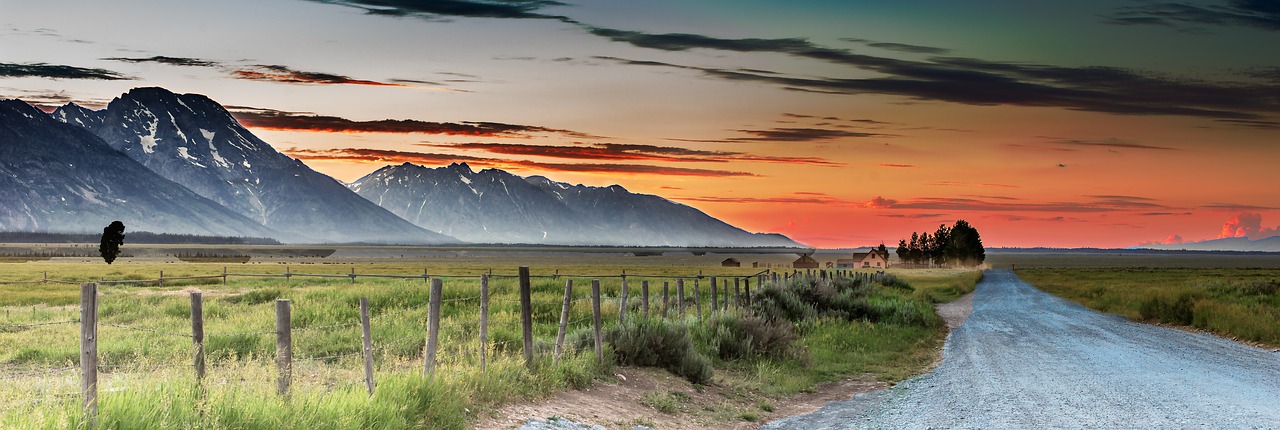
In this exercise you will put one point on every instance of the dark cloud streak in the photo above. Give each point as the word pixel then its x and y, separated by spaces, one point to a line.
pixel 57 71
pixel 279 120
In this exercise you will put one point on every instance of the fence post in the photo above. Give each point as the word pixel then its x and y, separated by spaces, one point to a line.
pixel 353 275
pixel 726 295
pixel 89 351
pixel 746 291
pixel 284 347
pixel 644 297
pixel 287 275
pixel 197 333
pixel 595 320
pixel 622 302
pixel 737 293
pixel 367 337
pixel 564 318
pixel 680 296
pixel 161 280
pixel 666 299
pixel 526 316
pixel 715 304
pixel 697 297
pixel 433 327
pixel 224 275
pixel 484 321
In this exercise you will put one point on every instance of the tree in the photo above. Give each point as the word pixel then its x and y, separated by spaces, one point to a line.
pixel 112 238
pixel 884 252
pixel 915 251
pixel 967 244
pixel 903 251
pixel 939 245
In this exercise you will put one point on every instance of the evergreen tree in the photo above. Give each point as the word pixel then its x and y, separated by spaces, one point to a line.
pixel 903 251
pixel 884 252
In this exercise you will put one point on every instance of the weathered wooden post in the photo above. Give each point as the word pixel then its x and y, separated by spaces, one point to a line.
pixel 89 351
pixel 224 275
pixel 595 320
pixel 484 321
pixel 644 297
pixel 564 318
pixel 666 301
pixel 737 293
pixel 697 297
pixel 622 302
pixel 746 292
pixel 526 316
pixel 433 327
pixel 680 296
pixel 715 304
pixel 284 348
pixel 366 337
pixel 197 333
pixel 160 281
pixel 353 275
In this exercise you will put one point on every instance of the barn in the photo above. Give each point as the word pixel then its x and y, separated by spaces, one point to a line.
pixel 805 262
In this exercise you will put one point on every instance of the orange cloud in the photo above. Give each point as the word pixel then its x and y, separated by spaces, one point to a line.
pixel 1247 224
pixel 879 203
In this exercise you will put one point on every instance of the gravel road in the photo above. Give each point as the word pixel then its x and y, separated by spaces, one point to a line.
pixel 1025 359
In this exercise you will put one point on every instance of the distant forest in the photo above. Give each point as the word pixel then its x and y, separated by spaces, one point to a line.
pixel 133 237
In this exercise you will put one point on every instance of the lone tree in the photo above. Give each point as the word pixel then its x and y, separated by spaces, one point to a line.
pixel 112 238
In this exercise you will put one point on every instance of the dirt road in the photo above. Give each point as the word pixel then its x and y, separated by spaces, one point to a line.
pixel 1025 359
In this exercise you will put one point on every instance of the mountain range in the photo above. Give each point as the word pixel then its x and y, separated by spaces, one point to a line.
pixel 59 177
pixel 494 206
pixel 1270 244
pixel 180 163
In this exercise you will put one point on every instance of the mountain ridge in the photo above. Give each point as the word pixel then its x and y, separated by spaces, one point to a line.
pixel 495 206
pixel 194 141
pixel 60 177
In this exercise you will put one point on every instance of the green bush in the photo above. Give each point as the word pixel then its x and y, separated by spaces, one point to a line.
pixel 1178 311
pixel 653 342
pixel 733 337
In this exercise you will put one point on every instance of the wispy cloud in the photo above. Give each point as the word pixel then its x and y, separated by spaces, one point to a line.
pixel 973 184
pixel 443 9
pixel 1097 204
pixel 369 155
pixel 1113 143
pixel 280 120
pixel 57 71
pixel 172 61
pixel 285 75
pixel 635 152
pixel 1185 16
pixel 796 199
pixel 902 166
pixel 900 47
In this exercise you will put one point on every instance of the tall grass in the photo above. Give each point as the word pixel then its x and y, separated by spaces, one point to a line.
pixel 1238 303
pixel 147 381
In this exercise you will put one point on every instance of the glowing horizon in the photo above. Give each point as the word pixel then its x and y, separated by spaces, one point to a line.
pixel 838 125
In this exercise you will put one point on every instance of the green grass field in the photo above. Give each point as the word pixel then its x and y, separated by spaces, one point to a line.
pixel 146 379
pixel 1242 304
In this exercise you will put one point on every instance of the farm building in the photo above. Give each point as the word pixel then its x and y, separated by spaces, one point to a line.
pixel 805 262
pixel 731 262
pixel 862 260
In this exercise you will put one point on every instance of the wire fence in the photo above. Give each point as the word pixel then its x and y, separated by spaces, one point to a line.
pixel 482 322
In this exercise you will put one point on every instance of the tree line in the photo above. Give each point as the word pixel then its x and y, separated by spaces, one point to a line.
pixel 959 245
pixel 134 237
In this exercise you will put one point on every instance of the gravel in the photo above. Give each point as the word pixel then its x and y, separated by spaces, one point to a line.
pixel 1026 359
pixel 557 423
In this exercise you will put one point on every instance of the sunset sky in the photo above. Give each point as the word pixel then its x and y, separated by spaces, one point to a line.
pixel 836 122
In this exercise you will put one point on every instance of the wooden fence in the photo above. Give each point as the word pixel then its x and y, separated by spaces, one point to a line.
pixel 722 299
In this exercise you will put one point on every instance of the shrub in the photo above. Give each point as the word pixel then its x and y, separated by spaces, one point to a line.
pixel 656 342
pixel 733 337
pixel 1178 311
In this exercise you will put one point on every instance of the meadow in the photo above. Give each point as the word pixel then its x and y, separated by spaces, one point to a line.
pixel 1239 303
pixel 146 378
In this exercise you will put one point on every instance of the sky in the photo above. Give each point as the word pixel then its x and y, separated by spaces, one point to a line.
pixel 839 123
